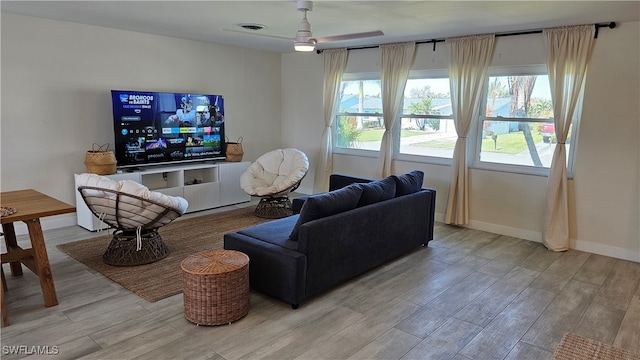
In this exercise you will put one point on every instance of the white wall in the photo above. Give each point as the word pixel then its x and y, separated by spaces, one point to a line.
pixel 607 175
pixel 56 101
pixel 604 195
pixel 302 123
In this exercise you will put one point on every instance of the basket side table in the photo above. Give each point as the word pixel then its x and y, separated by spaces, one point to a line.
pixel 216 287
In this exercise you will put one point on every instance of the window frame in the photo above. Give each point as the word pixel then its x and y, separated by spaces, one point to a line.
pixel 428 159
pixel 365 76
pixel 476 139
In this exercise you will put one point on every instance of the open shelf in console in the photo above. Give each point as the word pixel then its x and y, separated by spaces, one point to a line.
pixel 198 183
pixel 203 185
pixel 201 176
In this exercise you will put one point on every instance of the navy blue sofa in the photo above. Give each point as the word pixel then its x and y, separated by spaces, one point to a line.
pixel 360 224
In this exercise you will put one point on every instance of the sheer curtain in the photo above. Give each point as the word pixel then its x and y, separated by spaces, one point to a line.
pixel 568 53
pixel 469 59
pixel 396 60
pixel 335 61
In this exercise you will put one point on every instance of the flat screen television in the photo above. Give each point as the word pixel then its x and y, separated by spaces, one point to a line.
pixel 158 128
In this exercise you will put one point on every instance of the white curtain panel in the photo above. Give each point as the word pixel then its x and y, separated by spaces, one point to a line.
pixel 469 59
pixel 396 60
pixel 568 53
pixel 335 61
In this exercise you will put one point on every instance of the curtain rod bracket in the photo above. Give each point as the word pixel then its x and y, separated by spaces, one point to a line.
pixel 611 25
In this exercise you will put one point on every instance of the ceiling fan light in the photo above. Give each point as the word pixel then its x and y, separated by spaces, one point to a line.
pixel 304 45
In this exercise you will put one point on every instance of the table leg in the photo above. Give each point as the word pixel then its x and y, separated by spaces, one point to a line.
pixel 42 262
pixel 11 242
pixel 3 304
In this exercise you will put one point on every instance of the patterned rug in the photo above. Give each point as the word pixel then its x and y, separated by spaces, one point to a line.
pixel 576 347
pixel 183 237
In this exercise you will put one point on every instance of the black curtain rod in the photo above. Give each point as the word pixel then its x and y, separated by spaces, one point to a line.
pixel 610 25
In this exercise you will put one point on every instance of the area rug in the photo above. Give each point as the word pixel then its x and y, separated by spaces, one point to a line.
pixel 183 237
pixel 576 347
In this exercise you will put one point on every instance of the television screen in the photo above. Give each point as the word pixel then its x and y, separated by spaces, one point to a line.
pixel 157 127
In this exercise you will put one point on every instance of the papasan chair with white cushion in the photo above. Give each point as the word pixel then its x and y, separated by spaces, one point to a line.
pixel 272 177
pixel 135 212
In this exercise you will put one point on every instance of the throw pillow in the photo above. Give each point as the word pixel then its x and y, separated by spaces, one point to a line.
pixel 326 204
pixel 408 183
pixel 376 191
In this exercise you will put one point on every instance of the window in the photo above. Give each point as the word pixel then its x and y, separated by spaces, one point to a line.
pixel 427 119
pixel 516 122
pixel 515 131
pixel 359 123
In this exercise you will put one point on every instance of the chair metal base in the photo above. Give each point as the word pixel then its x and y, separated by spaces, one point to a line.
pixel 274 207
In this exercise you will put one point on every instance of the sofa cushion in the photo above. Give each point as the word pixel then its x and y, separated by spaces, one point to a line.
pixel 408 183
pixel 274 232
pixel 376 191
pixel 326 204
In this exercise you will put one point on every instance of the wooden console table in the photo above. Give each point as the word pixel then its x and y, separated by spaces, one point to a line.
pixel 30 206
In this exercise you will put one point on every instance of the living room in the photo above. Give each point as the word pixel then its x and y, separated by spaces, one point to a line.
pixel 56 82
pixel 57 77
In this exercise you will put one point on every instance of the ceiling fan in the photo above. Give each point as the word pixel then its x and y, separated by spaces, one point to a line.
pixel 304 39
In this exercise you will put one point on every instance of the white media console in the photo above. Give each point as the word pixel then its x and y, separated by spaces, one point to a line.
pixel 203 185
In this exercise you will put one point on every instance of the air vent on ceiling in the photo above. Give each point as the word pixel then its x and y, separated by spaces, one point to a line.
pixel 253 27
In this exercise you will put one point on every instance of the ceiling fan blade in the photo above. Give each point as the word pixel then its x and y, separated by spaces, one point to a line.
pixel 361 35
pixel 258 34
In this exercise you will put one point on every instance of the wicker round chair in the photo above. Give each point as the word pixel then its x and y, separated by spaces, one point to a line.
pixel 135 212
pixel 272 177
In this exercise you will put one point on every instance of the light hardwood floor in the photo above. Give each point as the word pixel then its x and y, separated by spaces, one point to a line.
pixel 468 295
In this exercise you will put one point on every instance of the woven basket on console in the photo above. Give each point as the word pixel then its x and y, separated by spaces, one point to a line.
pixel 234 151
pixel 100 160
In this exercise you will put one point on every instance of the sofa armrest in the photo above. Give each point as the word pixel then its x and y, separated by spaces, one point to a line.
pixel 338 181
pixel 296 204
pixel 273 270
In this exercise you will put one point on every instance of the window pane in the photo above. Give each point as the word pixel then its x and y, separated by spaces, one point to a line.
pixel 519 143
pixel 428 137
pixel 360 96
pixel 359 132
pixel 519 97
pixel 427 97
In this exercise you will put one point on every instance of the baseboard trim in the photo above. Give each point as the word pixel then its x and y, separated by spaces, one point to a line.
pixel 500 229
pixel 582 245
pixel 606 250
pixel 506 231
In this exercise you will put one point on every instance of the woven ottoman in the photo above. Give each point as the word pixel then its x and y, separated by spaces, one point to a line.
pixel 216 287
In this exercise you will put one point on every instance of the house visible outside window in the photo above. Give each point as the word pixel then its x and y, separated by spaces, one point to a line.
pixel 359 124
pixel 515 130
pixel 427 127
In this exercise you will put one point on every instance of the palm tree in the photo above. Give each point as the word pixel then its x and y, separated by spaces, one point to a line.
pixel 541 109
pixel 496 90
pixel 424 108
pixel 417 93
pixel 520 89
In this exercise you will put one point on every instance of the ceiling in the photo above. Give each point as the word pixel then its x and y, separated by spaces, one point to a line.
pixel 399 20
